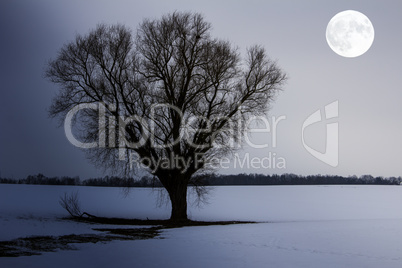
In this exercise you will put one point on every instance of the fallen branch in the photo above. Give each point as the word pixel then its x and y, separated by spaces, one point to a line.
pixel 72 205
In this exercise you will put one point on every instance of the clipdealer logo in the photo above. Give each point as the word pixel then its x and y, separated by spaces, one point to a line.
pixel 331 154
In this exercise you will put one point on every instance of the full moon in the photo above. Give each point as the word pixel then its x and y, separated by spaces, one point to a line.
pixel 350 34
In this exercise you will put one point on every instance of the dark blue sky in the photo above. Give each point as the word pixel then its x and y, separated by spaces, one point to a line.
pixel 368 88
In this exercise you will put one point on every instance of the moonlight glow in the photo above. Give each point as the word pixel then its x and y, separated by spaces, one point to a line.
pixel 350 33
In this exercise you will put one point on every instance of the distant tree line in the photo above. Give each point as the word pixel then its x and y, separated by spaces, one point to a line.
pixel 107 181
pixel 293 179
pixel 211 179
pixel 114 181
pixel 44 180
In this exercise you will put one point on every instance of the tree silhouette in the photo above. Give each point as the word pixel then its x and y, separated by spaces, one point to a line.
pixel 170 97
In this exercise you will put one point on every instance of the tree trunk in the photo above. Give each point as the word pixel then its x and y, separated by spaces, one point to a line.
pixel 178 199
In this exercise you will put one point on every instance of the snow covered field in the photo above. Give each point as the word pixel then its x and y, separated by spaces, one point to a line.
pixel 301 226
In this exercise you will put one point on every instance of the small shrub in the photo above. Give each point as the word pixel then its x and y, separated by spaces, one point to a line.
pixel 70 202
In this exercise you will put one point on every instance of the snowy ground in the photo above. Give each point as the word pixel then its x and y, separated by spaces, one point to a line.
pixel 301 226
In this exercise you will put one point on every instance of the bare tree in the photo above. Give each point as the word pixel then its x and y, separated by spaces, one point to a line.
pixel 171 97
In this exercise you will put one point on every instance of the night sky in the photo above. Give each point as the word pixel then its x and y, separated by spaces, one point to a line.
pixel 367 88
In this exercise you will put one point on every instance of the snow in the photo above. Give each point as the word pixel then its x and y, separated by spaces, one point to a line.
pixel 299 226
